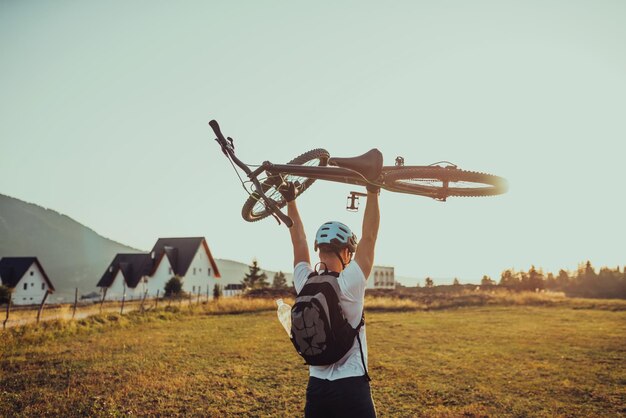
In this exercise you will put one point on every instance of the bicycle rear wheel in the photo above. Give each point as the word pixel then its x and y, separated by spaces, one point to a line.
pixel 255 209
pixel 443 182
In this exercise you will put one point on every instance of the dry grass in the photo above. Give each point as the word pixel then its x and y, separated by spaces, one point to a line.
pixel 240 305
pixel 471 362
pixel 429 299
pixel 402 300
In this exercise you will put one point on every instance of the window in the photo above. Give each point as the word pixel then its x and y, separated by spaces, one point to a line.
pixel 209 271
pixel 32 285
pixel 32 273
pixel 43 286
pixel 193 290
pixel 194 271
pixel 170 270
pixel 25 286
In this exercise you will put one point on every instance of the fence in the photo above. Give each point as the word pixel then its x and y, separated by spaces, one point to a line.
pixel 22 315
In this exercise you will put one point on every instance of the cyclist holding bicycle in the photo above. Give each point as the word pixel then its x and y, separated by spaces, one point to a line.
pixel 340 389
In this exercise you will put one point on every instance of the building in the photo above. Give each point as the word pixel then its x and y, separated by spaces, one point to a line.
pixel 27 278
pixel 233 290
pixel 381 277
pixel 126 276
pixel 135 274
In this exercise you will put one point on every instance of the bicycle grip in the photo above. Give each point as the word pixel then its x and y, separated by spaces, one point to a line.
pixel 216 129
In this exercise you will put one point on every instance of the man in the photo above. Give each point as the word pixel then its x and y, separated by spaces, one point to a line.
pixel 341 389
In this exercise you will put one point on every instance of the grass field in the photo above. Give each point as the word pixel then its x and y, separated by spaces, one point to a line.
pixel 480 361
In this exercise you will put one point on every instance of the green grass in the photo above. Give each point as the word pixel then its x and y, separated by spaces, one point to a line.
pixel 481 361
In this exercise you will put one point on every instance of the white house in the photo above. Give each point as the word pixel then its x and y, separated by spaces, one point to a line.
pixel 188 258
pixel 381 277
pixel 26 277
pixel 233 289
pixel 124 277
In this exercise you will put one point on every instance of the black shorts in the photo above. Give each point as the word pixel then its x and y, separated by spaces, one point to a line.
pixel 349 397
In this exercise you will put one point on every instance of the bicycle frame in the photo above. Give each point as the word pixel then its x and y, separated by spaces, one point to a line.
pixel 433 181
pixel 328 173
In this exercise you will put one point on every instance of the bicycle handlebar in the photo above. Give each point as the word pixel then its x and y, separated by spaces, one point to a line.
pixel 216 129
pixel 228 149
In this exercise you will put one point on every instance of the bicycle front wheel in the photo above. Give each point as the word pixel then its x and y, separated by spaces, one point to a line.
pixel 443 182
pixel 255 208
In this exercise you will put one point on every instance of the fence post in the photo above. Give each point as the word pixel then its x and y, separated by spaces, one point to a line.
pixel 4 324
pixel 156 304
pixel 198 301
pixel 123 300
pixel 207 293
pixel 75 302
pixel 143 299
pixel 104 295
pixel 43 301
pixel 190 298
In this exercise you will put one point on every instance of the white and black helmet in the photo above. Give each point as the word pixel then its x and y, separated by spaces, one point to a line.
pixel 336 235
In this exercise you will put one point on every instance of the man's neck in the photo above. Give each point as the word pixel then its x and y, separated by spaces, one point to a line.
pixel 331 262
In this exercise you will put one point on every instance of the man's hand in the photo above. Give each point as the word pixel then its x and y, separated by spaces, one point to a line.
pixel 289 190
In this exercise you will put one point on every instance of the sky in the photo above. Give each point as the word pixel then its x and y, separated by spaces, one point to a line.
pixel 104 109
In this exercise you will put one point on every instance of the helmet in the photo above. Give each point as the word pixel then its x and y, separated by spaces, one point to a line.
pixel 336 235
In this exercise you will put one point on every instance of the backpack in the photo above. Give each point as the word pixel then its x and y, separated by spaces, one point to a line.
pixel 319 330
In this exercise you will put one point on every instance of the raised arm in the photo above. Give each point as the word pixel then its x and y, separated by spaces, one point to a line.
pixel 298 237
pixel 364 256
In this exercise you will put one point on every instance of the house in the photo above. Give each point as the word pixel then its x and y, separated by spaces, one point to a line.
pixel 26 277
pixel 233 290
pixel 188 258
pixel 125 276
pixel 381 277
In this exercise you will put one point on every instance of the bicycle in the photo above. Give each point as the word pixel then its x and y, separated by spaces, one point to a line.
pixel 434 181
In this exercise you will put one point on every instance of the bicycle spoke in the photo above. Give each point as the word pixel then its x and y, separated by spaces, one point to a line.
pixel 256 207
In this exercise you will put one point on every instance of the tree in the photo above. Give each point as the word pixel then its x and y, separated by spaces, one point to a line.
pixel 217 291
pixel 551 281
pixel 429 282
pixel 509 279
pixel 280 281
pixel 532 281
pixel 456 282
pixel 174 287
pixel 563 280
pixel 5 294
pixel 486 281
pixel 255 279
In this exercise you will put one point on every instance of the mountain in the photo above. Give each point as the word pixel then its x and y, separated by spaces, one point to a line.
pixel 72 254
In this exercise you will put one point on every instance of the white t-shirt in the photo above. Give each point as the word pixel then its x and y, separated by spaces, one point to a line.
pixel 352 283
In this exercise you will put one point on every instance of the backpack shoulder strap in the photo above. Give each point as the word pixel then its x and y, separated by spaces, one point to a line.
pixel 326 273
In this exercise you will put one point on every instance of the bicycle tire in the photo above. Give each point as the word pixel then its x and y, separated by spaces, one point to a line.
pixel 254 208
pixel 443 182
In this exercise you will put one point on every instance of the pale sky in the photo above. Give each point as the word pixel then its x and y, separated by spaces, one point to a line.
pixel 104 109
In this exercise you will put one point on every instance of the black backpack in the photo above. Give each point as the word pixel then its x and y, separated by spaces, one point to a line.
pixel 319 330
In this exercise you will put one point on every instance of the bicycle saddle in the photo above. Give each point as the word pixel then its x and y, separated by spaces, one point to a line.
pixel 369 165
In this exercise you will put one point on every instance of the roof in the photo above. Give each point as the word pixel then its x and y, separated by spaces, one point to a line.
pixel 133 268
pixel 180 252
pixel 12 269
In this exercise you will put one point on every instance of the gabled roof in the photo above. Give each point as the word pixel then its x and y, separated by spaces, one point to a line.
pixel 180 252
pixel 132 266
pixel 12 269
